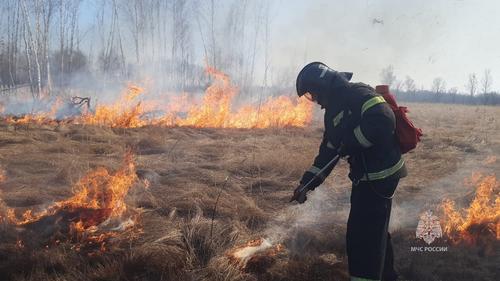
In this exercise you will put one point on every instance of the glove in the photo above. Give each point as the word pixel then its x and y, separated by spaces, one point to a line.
pixel 342 151
pixel 299 195
pixel 308 176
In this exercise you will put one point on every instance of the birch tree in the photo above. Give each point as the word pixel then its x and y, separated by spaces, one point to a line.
pixel 486 81
pixel 471 84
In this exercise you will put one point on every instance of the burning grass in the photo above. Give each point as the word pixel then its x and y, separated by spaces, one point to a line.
pixel 93 215
pixel 216 110
pixel 174 236
pixel 255 255
pixel 479 224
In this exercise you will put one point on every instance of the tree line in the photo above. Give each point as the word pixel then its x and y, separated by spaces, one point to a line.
pixel 478 90
pixel 47 43
pixel 50 46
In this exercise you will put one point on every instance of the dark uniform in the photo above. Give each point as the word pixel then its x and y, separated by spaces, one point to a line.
pixel 360 124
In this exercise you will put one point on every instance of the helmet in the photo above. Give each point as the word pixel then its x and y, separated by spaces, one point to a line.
pixel 317 78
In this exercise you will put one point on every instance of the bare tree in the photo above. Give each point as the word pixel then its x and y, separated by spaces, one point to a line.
pixel 234 41
pixel 438 86
pixel 12 8
pixel 199 18
pixel 181 39
pixel 453 93
pixel 409 85
pixel 110 61
pixel 62 33
pixel 47 8
pixel 387 76
pixel 135 12
pixel 32 48
pixel 258 18
pixel 472 84
pixel 398 85
pixel 68 18
pixel 267 27
pixel 486 81
pixel 212 34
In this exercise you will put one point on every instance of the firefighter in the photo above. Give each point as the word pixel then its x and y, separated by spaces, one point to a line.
pixel 359 126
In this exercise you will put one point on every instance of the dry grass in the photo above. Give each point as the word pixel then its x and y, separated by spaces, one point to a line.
pixel 187 168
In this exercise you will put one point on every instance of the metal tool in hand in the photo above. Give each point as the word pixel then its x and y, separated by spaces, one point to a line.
pixel 306 186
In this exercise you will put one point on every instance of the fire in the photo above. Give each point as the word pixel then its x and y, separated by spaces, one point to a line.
pixel 215 110
pixel 125 113
pixel 490 160
pixel 2 175
pixel 96 209
pixel 481 220
pixel 253 251
pixel 38 118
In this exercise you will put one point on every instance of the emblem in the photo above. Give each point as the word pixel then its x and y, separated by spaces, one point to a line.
pixel 428 227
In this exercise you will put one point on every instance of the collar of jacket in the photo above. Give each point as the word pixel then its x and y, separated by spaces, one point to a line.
pixel 338 96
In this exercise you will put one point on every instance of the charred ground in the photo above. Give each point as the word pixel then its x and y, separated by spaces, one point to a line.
pixel 186 170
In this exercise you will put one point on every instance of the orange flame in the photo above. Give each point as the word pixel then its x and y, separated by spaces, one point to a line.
pixel 38 118
pixel 251 251
pixel 2 175
pixel 490 160
pixel 99 198
pixel 480 219
pixel 124 113
pixel 215 110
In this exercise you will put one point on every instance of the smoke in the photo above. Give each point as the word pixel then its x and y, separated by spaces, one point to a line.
pixel 422 41
pixel 407 206
pixel 321 220
pixel 317 224
pixel 59 104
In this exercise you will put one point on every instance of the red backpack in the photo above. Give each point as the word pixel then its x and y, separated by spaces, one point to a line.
pixel 407 134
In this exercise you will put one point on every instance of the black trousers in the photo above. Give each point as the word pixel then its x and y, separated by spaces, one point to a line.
pixel 369 249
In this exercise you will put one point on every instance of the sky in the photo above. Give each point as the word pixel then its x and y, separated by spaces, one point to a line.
pixel 423 39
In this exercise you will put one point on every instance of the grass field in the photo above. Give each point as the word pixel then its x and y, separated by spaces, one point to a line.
pixel 249 175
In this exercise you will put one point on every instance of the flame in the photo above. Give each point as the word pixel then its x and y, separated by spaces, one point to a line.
pixel 178 103
pixel 481 219
pixel 2 175
pixel 38 118
pixel 124 113
pixel 490 160
pixel 146 183
pixel 252 250
pixel 215 110
pixel 98 202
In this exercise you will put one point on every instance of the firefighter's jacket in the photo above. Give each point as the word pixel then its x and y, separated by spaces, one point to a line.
pixel 360 123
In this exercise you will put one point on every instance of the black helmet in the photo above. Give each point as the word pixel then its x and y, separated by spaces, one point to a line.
pixel 318 78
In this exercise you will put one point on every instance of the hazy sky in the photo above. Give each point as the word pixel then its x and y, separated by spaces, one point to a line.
pixel 422 39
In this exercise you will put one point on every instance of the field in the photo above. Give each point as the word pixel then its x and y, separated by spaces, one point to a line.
pixel 200 193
